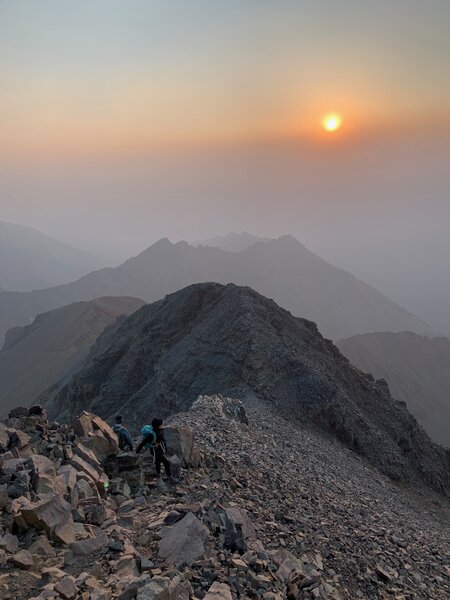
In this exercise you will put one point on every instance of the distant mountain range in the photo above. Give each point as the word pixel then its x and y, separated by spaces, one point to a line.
pixel 209 338
pixel 417 370
pixel 30 260
pixel 37 355
pixel 282 269
pixel 232 242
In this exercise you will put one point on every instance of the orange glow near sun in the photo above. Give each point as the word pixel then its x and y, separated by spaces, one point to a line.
pixel 332 122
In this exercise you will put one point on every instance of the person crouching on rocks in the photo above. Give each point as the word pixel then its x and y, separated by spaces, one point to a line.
pixel 153 438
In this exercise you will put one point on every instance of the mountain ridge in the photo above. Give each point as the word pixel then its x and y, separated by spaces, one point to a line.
pixel 283 269
pixel 209 338
pixel 33 357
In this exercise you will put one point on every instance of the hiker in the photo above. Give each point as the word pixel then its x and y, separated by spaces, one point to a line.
pixel 153 438
pixel 125 439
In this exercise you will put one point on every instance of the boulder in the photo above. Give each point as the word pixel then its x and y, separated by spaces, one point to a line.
pixel 101 446
pixel 180 441
pixel 157 589
pixel 37 411
pixel 180 588
pixel 9 542
pixel 95 474
pixel 47 484
pixel 42 547
pixel 18 412
pixel 66 587
pixel 89 546
pixel 49 514
pixel 236 528
pixel 162 588
pixel 69 475
pixel 22 560
pixel 83 489
pixel 126 567
pixel 183 542
pixel 86 454
pixel 96 434
pixel 39 464
pixel 18 439
pixel 82 425
pixel 65 533
pixel 218 591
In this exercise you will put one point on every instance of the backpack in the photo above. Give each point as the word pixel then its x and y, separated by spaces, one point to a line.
pixel 146 431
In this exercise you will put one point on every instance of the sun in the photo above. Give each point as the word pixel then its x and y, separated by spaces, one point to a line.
pixel 332 122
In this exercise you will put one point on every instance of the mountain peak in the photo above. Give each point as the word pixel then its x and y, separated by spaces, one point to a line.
pixel 210 338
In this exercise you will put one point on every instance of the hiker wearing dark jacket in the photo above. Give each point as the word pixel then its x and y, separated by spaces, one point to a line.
pixel 153 438
pixel 125 439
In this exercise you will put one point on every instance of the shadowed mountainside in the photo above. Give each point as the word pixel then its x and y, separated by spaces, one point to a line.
pixel 417 369
pixel 37 355
pixel 209 338
pixel 282 269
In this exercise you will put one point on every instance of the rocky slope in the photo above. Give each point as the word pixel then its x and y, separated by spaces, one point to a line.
pixel 281 269
pixel 210 338
pixel 260 509
pixel 37 355
pixel 30 260
pixel 417 369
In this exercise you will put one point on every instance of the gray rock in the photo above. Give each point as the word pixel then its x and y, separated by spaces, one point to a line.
pixel 49 514
pixel 22 560
pixel 42 547
pixel 9 542
pixel 183 542
pixel 218 591
pixel 180 441
pixel 66 588
pixel 89 546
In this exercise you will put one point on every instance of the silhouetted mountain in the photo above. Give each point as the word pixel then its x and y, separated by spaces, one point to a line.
pixel 417 369
pixel 37 355
pixel 282 269
pixel 210 338
pixel 30 260
pixel 232 242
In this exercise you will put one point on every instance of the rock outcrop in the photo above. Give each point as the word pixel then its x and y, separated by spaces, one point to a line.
pixel 210 338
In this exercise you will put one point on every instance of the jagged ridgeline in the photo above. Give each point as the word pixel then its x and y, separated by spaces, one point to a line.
pixel 210 338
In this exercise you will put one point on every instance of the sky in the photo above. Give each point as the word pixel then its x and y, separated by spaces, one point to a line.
pixel 125 121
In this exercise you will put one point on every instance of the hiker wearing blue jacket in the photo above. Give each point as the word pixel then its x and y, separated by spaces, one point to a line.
pixel 125 439
pixel 153 438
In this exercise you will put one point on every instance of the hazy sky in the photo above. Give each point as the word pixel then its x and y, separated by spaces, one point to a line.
pixel 125 121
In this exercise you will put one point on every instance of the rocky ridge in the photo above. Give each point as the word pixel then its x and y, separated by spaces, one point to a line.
pixel 210 338
pixel 258 509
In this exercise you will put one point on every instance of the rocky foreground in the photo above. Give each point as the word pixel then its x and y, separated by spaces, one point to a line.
pixel 260 508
